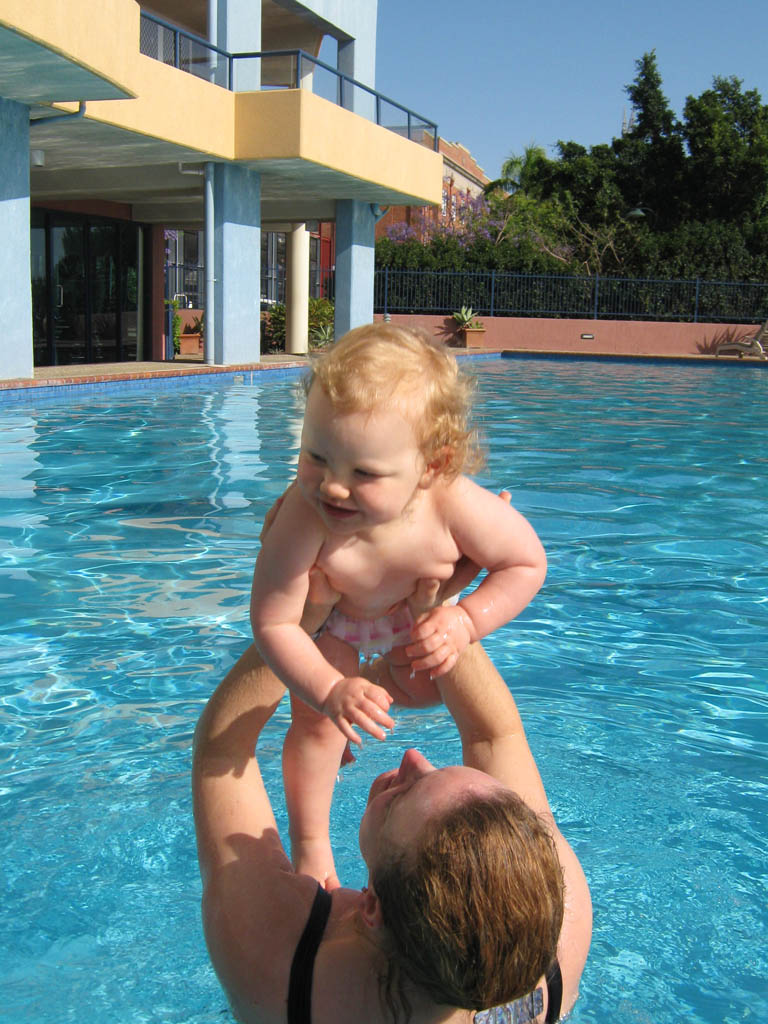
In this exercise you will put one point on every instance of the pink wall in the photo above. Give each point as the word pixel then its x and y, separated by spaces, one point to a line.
pixel 606 337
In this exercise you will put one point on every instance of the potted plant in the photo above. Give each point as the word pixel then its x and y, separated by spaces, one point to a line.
pixel 471 329
pixel 191 340
pixel 173 306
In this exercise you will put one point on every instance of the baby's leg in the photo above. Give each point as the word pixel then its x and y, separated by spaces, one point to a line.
pixel 311 756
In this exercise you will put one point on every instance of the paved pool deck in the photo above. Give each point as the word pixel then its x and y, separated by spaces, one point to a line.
pixel 100 373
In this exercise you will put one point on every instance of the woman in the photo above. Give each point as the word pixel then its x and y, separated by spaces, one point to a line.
pixel 473 894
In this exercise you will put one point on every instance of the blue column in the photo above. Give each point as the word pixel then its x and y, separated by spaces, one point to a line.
pixel 355 224
pixel 238 30
pixel 15 287
pixel 237 264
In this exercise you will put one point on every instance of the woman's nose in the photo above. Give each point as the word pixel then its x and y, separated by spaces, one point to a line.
pixel 414 764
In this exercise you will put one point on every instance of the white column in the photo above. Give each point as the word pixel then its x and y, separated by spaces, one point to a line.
pixel 297 290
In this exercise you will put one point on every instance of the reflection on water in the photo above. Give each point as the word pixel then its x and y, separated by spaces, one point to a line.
pixel 128 531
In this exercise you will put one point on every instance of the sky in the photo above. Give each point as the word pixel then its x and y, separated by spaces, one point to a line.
pixel 498 76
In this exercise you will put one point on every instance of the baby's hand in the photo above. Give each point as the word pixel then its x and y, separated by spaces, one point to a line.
pixel 357 701
pixel 438 638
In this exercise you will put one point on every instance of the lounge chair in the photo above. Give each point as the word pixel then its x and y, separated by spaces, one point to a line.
pixel 746 346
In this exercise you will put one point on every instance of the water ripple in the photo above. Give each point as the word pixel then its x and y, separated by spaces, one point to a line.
pixel 126 550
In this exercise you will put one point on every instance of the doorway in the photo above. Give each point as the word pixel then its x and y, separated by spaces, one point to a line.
pixel 87 289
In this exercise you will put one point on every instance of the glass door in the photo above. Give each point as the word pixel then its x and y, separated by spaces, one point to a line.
pixel 87 289
pixel 43 355
pixel 69 294
pixel 131 292
pixel 103 292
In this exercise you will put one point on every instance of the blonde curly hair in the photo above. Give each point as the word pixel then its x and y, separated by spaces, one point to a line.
pixel 383 364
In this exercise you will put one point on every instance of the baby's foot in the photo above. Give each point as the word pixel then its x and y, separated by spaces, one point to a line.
pixel 314 857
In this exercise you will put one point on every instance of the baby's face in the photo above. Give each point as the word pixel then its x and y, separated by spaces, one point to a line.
pixel 359 469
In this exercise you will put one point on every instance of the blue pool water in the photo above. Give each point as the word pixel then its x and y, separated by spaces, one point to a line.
pixel 128 530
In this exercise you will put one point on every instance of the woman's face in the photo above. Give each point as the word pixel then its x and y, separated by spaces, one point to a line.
pixel 402 800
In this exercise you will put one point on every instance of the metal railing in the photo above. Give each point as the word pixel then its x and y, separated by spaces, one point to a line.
pixel 186 283
pixel 280 69
pixel 183 50
pixel 493 293
pixel 322 283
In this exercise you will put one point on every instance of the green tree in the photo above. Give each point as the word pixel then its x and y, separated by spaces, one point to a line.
pixel 522 173
pixel 726 131
pixel 702 182
pixel 650 157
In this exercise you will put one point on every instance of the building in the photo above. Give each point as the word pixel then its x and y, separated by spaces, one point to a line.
pixel 463 181
pixel 122 125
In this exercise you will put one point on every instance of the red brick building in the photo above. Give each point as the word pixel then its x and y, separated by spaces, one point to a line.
pixel 463 180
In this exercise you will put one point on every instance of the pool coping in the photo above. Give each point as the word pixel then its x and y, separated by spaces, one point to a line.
pixel 633 357
pixel 55 382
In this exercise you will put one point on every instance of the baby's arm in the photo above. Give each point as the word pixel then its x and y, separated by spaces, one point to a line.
pixel 491 534
pixel 279 590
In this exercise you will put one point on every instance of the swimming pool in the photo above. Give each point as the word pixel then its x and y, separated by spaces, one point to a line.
pixel 128 529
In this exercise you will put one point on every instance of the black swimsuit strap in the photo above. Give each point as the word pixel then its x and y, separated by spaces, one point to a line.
pixel 303 965
pixel 554 993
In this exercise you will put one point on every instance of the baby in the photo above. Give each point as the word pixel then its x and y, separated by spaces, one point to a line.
pixel 380 504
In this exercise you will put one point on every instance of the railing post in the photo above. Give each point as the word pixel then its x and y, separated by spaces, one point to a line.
pixel 386 291
pixel 298 69
pixel 597 292
pixel 493 289
pixel 378 108
pixel 176 56
pixel 696 303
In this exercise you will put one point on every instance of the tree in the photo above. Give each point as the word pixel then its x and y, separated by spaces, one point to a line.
pixel 523 173
pixel 652 120
pixel 650 157
pixel 702 181
pixel 726 131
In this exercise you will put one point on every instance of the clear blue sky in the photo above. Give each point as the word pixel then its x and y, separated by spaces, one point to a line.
pixel 499 75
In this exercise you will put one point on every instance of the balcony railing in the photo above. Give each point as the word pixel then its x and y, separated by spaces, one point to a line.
pixel 279 69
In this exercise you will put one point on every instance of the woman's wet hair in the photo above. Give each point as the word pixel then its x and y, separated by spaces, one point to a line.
pixel 473 908
pixel 382 364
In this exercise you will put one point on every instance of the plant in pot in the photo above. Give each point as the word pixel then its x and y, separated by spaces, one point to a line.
pixel 173 306
pixel 471 329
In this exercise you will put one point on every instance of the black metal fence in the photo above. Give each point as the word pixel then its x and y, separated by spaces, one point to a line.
pixel 186 284
pixel 492 293
pixel 321 284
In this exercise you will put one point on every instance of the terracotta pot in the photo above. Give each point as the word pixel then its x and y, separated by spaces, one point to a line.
pixel 472 336
pixel 190 345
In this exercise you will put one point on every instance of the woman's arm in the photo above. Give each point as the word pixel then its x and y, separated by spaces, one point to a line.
pixel 253 906
pixel 228 793
pixel 493 740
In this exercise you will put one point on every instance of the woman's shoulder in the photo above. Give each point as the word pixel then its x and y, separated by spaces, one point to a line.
pixel 253 924
pixel 576 932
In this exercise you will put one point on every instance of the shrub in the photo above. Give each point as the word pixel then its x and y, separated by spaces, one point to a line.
pixel 321 314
